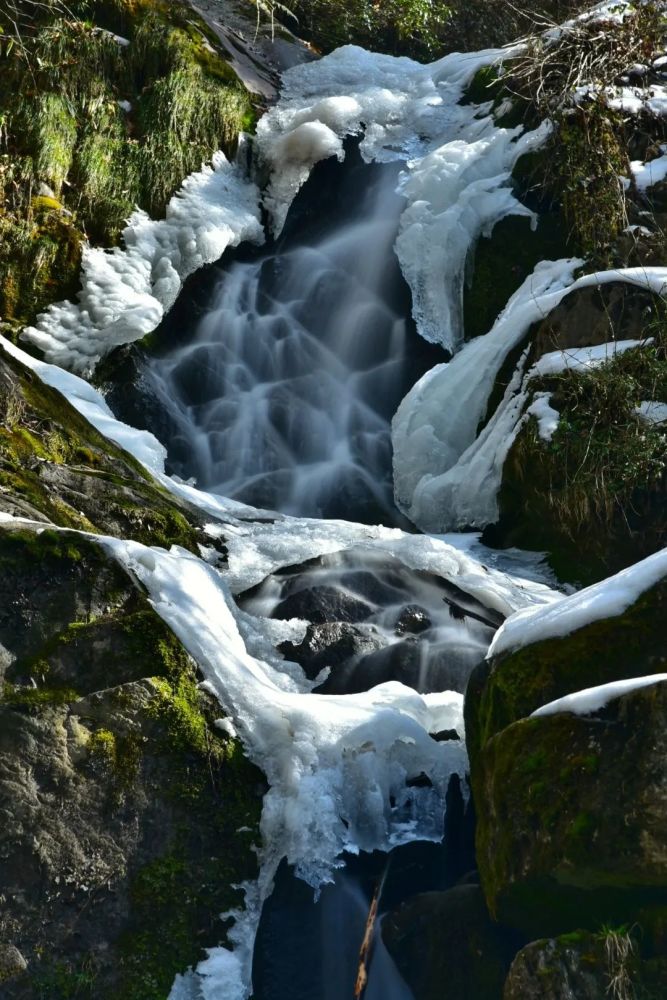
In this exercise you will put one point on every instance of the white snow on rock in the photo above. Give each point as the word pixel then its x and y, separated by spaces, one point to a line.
pixel 652 412
pixel 647 174
pixel 607 599
pixel 593 699
pixel 547 418
pixel 458 162
pixel 125 292
pixel 446 474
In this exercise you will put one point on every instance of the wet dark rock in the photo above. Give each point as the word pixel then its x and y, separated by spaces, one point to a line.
pixel 445 735
pixel 54 466
pixel 411 662
pixel 332 644
pixel 572 815
pixel 445 944
pixel 321 604
pixel 412 619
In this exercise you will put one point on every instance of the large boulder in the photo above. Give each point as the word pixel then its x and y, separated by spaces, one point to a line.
pixel 120 800
pixel 517 681
pixel 572 815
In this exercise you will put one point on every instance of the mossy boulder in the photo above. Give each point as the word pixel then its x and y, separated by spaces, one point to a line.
pixel 572 965
pixel 501 263
pixel 55 467
pixel 572 815
pixel 587 966
pixel 512 685
pixel 593 495
pixel 445 944
pixel 128 816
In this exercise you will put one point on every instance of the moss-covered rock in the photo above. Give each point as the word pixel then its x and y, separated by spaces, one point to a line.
pixel 572 817
pixel 572 965
pixel 512 685
pixel 593 496
pixel 55 467
pixel 502 262
pixel 106 105
pixel 444 943
pixel 129 817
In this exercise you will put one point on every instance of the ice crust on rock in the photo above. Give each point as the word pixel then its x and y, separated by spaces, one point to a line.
pixel 458 162
pixel 593 699
pixel 607 599
pixel 446 474
pixel 125 292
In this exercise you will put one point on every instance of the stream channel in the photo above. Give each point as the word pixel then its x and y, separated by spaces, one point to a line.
pixel 277 374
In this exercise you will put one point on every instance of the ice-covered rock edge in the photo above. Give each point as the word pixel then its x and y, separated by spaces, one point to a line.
pixel 126 291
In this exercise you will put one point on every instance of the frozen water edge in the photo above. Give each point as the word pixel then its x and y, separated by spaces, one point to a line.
pixel 446 475
pixel 125 292
pixel 458 162
pixel 334 763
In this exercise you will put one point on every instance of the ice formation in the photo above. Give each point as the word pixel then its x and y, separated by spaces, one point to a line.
pixel 652 412
pixel 446 472
pixel 607 599
pixel 125 292
pixel 457 174
pixel 596 698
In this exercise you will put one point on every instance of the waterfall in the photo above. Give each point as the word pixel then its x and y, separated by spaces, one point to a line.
pixel 282 396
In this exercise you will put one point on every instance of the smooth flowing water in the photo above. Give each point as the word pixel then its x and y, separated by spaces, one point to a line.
pixel 283 393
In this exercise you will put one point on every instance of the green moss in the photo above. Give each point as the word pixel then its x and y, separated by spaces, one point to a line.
pixel 63 125
pixel 19 696
pixel 593 496
pixel 611 649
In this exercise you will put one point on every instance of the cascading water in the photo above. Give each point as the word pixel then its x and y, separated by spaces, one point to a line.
pixel 283 396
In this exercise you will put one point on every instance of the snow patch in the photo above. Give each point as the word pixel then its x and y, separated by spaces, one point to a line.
pixel 125 292
pixel 607 599
pixel 547 418
pixel 594 699
pixel 652 412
